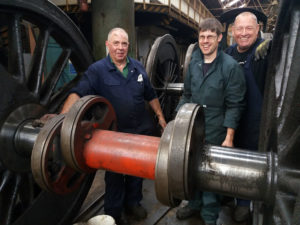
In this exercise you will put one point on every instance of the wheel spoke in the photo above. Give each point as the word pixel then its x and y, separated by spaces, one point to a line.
pixel 28 89
pixel 12 200
pixel 284 207
pixel 15 53
pixel 295 219
pixel 59 97
pixel 289 150
pixel 37 63
pixel 52 79
pixel 289 113
pixel 7 175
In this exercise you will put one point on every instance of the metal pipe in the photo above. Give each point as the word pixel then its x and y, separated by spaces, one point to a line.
pixel 172 88
pixel 124 153
pixel 239 173
pixel 25 137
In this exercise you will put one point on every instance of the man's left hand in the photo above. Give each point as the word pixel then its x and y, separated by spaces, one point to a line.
pixel 262 49
pixel 227 143
pixel 162 122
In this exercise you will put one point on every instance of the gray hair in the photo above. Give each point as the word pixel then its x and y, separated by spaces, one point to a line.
pixel 116 29
pixel 246 14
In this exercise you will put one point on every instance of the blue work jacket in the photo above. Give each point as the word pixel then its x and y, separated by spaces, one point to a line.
pixel 127 95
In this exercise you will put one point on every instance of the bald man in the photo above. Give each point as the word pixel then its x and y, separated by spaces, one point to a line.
pixel 245 32
pixel 124 82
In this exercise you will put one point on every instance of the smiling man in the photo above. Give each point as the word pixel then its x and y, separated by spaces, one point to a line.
pixel 245 32
pixel 215 81
pixel 124 82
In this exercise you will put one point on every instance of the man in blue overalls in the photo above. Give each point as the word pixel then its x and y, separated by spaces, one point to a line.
pixel 124 82
pixel 245 32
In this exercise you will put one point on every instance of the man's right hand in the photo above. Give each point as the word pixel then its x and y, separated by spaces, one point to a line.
pixel 43 120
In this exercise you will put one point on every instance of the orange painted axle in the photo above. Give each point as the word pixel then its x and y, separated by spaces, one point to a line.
pixel 123 153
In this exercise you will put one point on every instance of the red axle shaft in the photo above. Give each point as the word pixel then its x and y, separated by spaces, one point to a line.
pixel 124 153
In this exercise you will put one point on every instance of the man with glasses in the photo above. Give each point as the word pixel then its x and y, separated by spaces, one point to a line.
pixel 215 81
pixel 251 53
pixel 124 82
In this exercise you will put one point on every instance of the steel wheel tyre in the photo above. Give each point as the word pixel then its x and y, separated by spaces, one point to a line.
pixel 280 130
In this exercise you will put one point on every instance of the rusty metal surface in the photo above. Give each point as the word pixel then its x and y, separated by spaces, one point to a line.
pixel 86 114
pixel 47 164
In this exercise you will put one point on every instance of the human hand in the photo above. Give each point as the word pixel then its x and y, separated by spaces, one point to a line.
pixel 162 122
pixel 227 143
pixel 43 120
pixel 262 50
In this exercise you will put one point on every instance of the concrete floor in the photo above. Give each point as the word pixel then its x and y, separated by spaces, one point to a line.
pixel 157 213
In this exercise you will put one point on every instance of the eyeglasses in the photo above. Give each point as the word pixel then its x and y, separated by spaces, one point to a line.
pixel 241 29
pixel 209 37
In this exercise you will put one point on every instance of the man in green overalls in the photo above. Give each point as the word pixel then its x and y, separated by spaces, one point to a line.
pixel 215 81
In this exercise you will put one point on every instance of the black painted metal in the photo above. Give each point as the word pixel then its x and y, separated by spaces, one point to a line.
pixel 22 92
pixel 163 69
pixel 280 129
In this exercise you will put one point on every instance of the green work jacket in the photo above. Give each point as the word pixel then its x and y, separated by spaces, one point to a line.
pixel 221 92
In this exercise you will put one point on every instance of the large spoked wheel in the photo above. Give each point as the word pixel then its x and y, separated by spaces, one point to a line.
pixel 30 88
pixel 280 131
pixel 163 68
pixel 188 57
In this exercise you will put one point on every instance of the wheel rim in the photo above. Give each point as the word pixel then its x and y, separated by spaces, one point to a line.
pixel 280 130
pixel 30 88
pixel 163 68
pixel 87 114
pixel 188 57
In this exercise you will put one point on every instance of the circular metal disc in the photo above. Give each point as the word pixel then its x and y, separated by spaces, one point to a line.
pixel 48 167
pixel 88 113
pixel 163 68
pixel 10 157
pixel 187 143
pixel 280 125
pixel 162 188
pixel 188 57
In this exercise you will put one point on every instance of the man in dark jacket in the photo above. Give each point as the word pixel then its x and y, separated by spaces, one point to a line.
pixel 248 47
pixel 124 82
pixel 215 81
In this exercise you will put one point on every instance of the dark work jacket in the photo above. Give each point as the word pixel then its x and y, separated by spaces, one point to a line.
pixel 221 91
pixel 248 131
pixel 127 95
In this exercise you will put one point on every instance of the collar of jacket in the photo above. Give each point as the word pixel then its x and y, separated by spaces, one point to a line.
pixel 198 53
pixel 131 65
